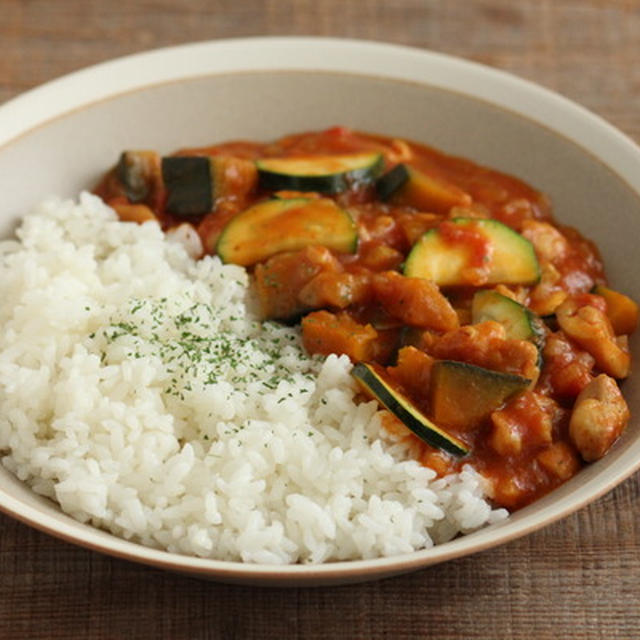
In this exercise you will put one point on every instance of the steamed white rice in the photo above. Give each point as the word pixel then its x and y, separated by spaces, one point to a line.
pixel 140 392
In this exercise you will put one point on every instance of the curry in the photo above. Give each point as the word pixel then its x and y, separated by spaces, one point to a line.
pixel 485 328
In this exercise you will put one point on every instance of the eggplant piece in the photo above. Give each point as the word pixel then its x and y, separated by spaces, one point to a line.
pixel 373 381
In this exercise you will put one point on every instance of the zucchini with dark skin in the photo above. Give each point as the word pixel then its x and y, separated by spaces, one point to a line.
pixel 188 184
pixel 373 381
pixel 138 172
pixel 521 323
pixel 405 185
pixel 473 252
pixel 278 225
pixel 463 395
pixel 194 184
pixel 322 174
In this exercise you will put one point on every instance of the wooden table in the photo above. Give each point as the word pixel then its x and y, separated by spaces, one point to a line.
pixel 576 579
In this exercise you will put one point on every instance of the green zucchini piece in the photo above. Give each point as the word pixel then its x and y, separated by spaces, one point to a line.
pixel 189 185
pixel 372 380
pixel 392 181
pixel 462 394
pixel 322 174
pixel 278 225
pixel 510 258
pixel 195 183
pixel 137 171
pixel 520 322
pixel 408 186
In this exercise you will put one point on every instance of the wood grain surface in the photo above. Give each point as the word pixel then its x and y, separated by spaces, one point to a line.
pixel 578 578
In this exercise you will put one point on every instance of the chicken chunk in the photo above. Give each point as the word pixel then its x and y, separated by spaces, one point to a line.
pixel 280 279
pixel 415 301
pixel 548 294
pixel 334 290
pixel 549 243
pixel 560 460
pixel 526 422
pixel 584 320
pixel 599 416
pixel 567 368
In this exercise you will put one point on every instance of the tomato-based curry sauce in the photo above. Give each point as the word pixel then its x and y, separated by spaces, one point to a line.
pixel 485 328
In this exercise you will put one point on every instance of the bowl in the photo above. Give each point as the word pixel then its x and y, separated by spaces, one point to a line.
pixel 60 137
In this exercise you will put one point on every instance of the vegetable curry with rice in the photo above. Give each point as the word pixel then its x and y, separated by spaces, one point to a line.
pixel 485 328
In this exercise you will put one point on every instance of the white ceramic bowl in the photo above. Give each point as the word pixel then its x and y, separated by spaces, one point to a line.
pixel 60 137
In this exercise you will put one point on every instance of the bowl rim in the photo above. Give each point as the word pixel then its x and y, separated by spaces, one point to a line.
pixel 107 80
pixel 104 80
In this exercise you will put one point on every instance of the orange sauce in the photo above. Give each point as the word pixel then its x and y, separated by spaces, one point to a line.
pixel 533 453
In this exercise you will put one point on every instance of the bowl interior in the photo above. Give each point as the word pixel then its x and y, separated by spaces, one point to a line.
pixel 70 152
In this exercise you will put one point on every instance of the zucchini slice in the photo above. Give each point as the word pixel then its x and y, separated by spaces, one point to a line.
pixel 137 172
pixel 323 174
pixel 408 186
pixel 372 380
pixel 507 257
pixel 520 322
pixel 277 225
pixel 462 394
pixel 187 180
pixel 194 183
